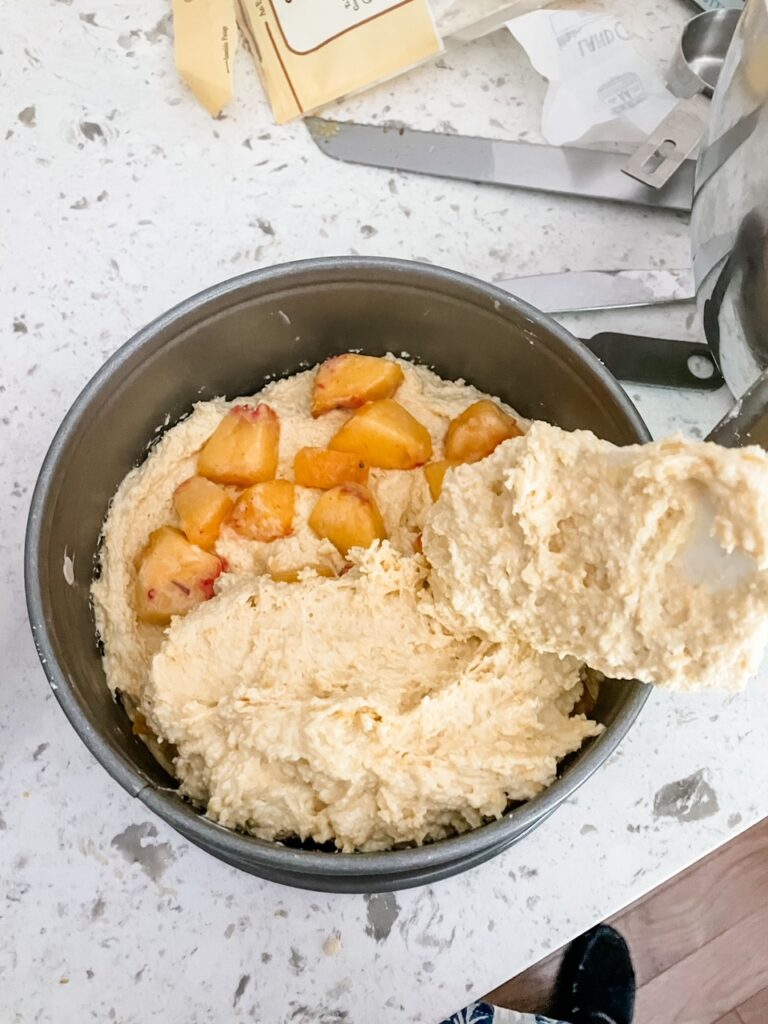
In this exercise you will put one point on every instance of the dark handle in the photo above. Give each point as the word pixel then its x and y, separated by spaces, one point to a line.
pixel 747 422
pixel 664 362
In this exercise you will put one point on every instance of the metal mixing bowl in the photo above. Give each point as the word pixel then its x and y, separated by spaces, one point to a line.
pixel 227 341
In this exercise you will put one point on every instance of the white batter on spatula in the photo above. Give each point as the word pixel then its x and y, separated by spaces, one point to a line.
pixel 646 562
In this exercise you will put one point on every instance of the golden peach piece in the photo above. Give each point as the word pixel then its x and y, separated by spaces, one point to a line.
pixel 292 575
pixel 323 469
pixel 585 705
pixel 349 381
pixel 202 506
pixel 435 474
pixel 385 434
pixel 477 431
pixel 348 517
pixel 243 449
pixel 172 576
pixel 265 511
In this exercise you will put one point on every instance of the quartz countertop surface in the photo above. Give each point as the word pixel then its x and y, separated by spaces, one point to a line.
pixel 121 196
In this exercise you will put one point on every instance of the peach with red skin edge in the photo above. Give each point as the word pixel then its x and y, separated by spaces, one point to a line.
pixel 168 560
pixel 349 381
pixel 244 448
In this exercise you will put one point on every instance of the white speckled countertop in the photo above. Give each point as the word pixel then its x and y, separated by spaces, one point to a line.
pixel 120 196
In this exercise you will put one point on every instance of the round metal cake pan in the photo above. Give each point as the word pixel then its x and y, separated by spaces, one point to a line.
pixel 229 340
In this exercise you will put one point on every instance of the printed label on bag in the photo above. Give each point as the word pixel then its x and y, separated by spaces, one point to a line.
pixel 310 52
pixel 306 25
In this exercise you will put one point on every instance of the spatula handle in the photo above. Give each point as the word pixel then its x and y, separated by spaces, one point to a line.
pixel 664 362
pixel 747 422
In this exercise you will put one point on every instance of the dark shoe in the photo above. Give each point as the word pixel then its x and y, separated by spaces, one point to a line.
pixel 596 982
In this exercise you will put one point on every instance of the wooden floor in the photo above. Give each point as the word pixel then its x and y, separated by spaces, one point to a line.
pixel 699 944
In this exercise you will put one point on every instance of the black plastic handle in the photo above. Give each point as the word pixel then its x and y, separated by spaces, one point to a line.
pixel 747 422
pixel 663 362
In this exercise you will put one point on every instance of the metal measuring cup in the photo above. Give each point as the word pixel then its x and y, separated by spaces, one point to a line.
pixel 692 76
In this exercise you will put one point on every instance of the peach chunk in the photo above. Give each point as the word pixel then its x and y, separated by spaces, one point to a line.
pixel 385 435
pixel 292 575
pixel 585 705
pixel 323 469
pixel 349 381
pixel 265 511
pixel 478 430
pixel 348 517
pixel 202 506
pixel 435 474
pixel 242 450
pixel 172 576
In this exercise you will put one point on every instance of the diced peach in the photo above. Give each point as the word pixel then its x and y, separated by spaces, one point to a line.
pixel 243 449
pixel 292 575
pixel 349 381
pixel 323 469
pixel 585 705
pixel 202 506
pixel 265 511
pixel 435 474
pixel 172 576
pixel 140 725
pixel 477 431
pixel 385 434
pixel 348 517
